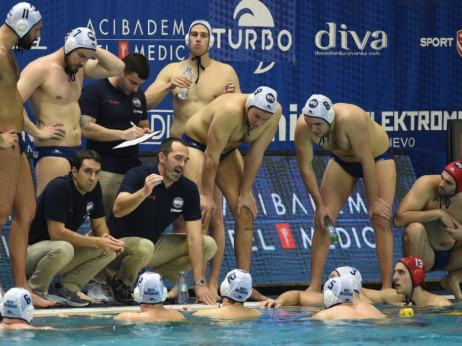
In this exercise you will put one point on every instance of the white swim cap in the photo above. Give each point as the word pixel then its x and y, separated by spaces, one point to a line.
pixel 337 290
pixel 22 18
pixel 80 38
pixel 353 275
pixel 263 98
pixel 150 289
pixel 17 303
pixel 237 285
pixel 209 28
pixel 319 106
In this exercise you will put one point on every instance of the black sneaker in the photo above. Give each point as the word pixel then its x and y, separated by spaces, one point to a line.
pixel 122 293
pixel 63 296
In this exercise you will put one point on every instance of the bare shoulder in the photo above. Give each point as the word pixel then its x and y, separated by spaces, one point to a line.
pixel 349 114
pixel 425 184
pixel 427 179
pixel 40 65
pixel 348 109
pixel 124 316
pixel 229 104
pixel 440 301
pixel 224 67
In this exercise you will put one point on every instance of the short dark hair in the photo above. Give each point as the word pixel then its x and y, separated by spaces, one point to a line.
pixel 166 146
pixel 86 154
pixel 137 63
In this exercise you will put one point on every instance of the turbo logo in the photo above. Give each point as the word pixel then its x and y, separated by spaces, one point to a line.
pixel 256 35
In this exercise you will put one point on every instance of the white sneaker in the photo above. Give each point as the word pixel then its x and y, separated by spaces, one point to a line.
pixel 100 292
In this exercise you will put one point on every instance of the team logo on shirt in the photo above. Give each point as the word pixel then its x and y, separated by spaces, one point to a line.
pixel 177 204
pixel 90 206
pixel 136 102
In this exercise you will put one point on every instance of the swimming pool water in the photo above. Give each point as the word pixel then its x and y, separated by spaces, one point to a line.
pixel 287 326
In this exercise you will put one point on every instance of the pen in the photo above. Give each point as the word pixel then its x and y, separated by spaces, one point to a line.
pixel 132 123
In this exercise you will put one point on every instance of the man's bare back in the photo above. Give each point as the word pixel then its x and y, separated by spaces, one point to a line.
pixel 228 110
pixel 347 118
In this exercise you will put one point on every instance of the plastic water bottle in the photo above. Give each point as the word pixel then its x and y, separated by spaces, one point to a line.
pixel 184 92
pixel 331 231
pixel 182 289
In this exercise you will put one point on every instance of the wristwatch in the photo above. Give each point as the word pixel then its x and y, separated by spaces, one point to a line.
pixel 200 282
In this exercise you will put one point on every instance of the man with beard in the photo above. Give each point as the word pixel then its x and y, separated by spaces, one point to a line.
pixel 149 200
pixel 212 79
pixel 431 214
pixel 53 85
pixel 110 108
pixel 22 26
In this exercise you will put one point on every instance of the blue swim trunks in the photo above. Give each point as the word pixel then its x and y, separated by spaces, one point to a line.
pixel 355 168
pixel 56 151
pixel 195 144
pixel 442 258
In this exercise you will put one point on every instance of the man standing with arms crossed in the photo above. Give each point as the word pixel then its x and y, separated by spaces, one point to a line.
pixel 360 149
pixel 212 79
pixel 53 85
pixel 22 26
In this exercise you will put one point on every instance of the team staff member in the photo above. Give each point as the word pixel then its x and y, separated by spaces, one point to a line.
pixel 149 200
pixel 55 246
pixel 109 107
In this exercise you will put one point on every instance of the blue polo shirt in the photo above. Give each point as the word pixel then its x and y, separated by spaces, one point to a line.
pixel 159 209
pixel 61 201
pixel 114 110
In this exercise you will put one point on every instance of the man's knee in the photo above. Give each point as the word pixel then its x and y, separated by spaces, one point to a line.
pixel 244 218
pixel 381 224
pixel 210 247
pixel 139 247
pixel 414 232
pixel 62 252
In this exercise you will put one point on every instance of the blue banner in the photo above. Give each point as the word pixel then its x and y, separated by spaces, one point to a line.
pixel 398 60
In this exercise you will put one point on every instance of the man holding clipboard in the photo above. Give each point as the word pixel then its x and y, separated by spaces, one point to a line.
pixel 114 114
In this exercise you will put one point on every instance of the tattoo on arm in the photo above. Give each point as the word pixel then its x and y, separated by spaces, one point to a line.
pixel 85 120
